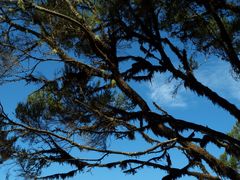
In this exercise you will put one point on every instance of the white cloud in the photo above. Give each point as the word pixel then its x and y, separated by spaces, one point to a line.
pixel 214 74
pixel 161 91
pixel 218 77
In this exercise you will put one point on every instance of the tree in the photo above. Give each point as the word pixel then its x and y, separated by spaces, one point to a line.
pixel 92 98
pixel 229 160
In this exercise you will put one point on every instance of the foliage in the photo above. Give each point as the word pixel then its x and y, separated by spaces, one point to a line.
pixel 229 160
pixel 91 101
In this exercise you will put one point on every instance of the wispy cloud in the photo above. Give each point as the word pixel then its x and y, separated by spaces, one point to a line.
pixel 218 77
pixel 162 91
pixel 215 75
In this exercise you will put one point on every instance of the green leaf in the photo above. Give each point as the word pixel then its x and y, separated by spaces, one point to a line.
pixel 20 4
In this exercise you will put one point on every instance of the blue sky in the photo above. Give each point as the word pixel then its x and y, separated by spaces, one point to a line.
pixel 184 104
